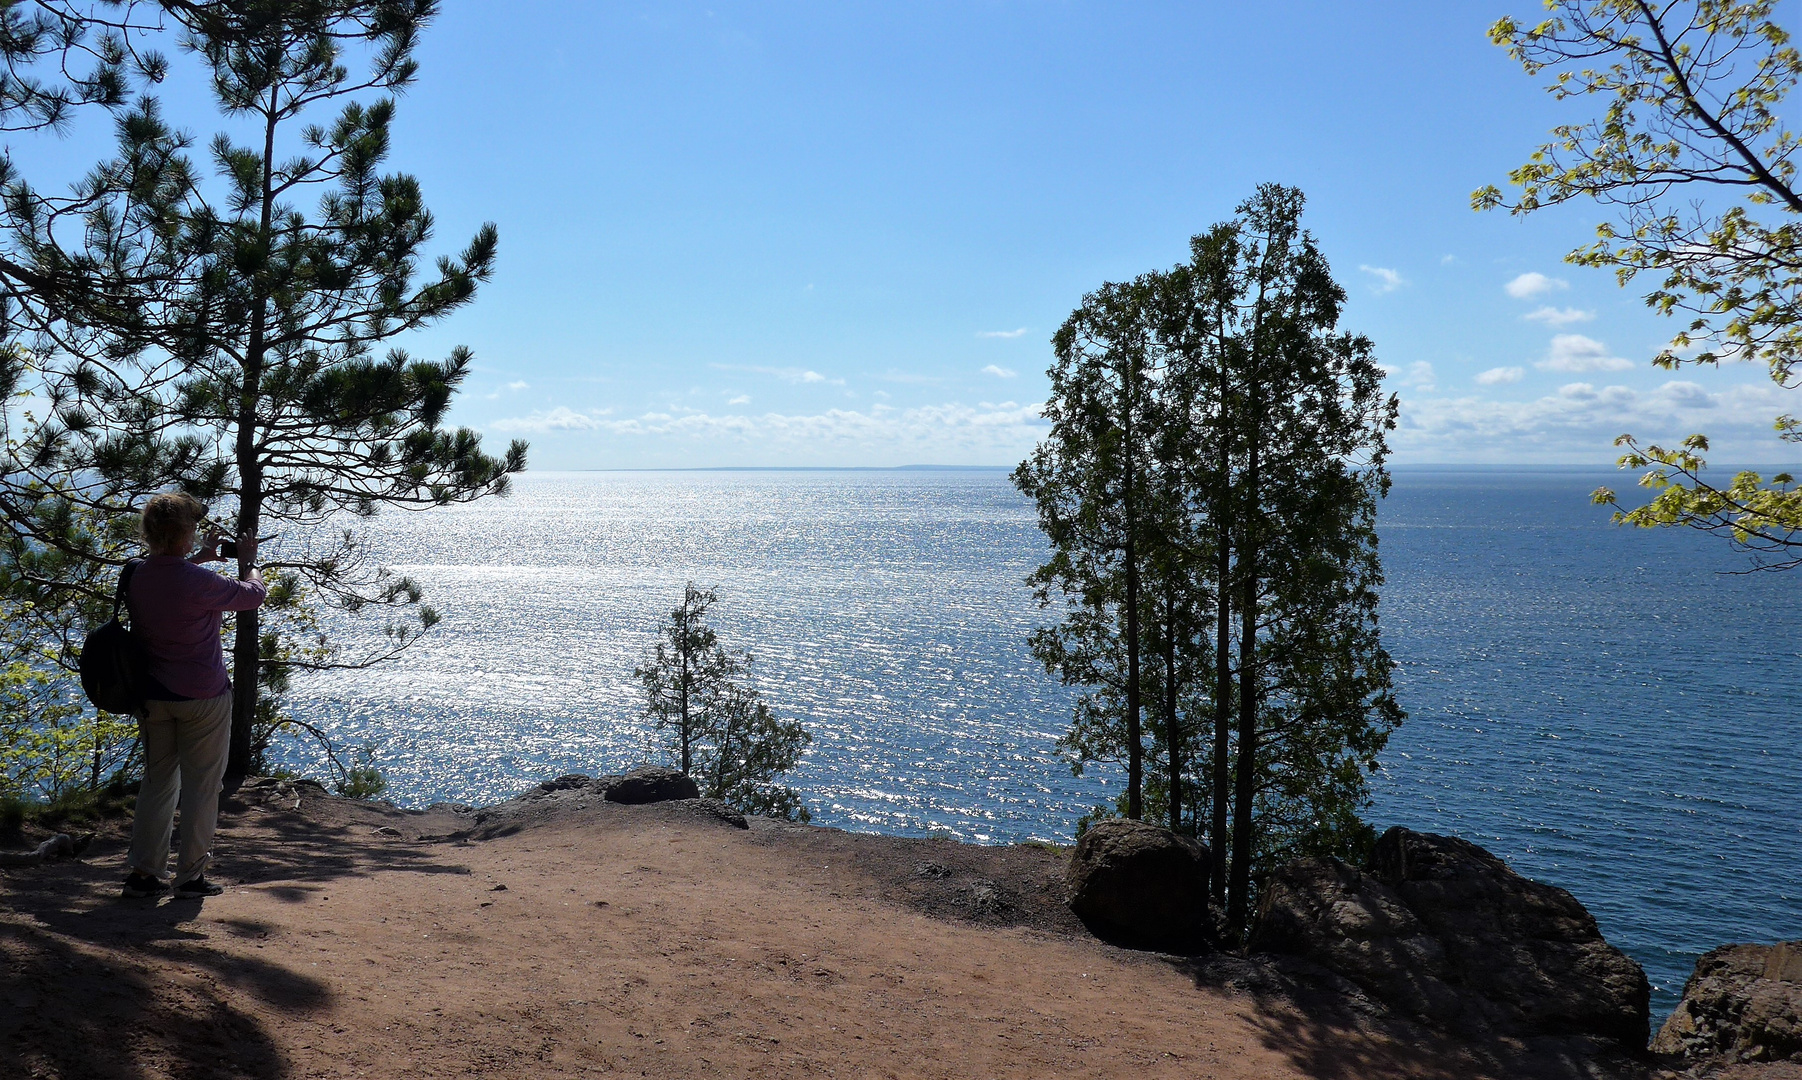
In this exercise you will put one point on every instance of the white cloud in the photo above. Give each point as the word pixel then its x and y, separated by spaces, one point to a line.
pixel 1497 375
pixel 1552 316
pixel 909 377
pixel 1419 375
pixel 742 399
pixel 1532 284
pixel 1447 260
pixel 519 385
pixel 1579 423
pixel 950 433
pixel 1574 352
pixel 998 371
pixel 561 418
pixel 1002 333
pixel 1387 280
pixel 786 374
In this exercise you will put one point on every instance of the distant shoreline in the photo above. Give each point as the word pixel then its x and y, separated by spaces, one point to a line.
pixel 1724 469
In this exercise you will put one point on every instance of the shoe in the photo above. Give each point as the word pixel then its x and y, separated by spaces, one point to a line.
pixel 199 886
pixel 139 885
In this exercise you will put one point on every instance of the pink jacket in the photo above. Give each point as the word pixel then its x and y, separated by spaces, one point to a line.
pixel 176 608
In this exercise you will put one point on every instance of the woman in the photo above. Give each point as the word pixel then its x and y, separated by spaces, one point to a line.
pixel 176 605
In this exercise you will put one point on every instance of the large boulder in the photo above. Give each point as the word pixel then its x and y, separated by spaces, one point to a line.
pixel 1351 923
pixel 652 783
pixel 1529 947
pixel 1743 1002
pixel 1441 929
pixel 1141 886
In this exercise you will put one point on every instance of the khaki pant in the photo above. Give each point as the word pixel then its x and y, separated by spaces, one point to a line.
pixel 185 743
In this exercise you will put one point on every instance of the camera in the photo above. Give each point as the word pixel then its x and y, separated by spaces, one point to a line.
pixel 228 549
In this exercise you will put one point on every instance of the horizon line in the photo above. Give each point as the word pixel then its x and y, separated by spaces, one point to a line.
pixel 1402 467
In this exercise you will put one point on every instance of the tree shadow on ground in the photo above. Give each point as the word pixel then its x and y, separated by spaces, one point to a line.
pixel 1330 1031
pixel 96 986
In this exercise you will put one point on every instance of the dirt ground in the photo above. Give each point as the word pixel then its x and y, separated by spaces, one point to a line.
pixel 576 937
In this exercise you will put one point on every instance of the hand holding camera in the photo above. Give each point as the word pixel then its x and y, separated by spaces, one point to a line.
pixel 220 545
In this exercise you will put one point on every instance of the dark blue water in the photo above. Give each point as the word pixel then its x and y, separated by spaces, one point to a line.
pixel 1612 710
pixel 1606 708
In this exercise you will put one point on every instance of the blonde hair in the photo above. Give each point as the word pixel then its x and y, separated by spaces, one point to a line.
pixel 168 516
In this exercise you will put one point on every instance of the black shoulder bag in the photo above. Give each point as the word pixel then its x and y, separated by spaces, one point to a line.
pixel 114 666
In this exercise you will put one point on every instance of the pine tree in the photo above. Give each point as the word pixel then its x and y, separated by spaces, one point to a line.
pixel 215 336
pixel 685 673
pixel 718 726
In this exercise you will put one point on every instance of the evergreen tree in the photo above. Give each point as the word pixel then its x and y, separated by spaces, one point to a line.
pixel 719 728
pixel 57 56
pixel 217 337
pixel 1208 489
pixel 750 747
pixel 685 673
pixel 1089 479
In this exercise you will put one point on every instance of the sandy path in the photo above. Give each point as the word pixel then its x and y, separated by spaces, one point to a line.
pixel 624 941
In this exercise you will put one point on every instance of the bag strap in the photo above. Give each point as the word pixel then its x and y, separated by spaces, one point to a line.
pixel 124 585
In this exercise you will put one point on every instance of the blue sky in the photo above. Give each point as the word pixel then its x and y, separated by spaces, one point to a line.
pixel 843 234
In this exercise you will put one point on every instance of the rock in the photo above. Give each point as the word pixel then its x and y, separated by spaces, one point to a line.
pixel 652 783
pixel 1743 1002
pixel 1530 948
pixel 718 811
pixel 1141 886
pixel 1442 930
pixel 987 899
pixel 1356 926
pixel 566 782
pixel 60 846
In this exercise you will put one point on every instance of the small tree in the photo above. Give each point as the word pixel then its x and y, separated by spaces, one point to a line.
pixel 720 730
pixel 752 745
pixel 684 674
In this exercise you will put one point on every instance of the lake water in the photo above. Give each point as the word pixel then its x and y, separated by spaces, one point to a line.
pixel 1610 710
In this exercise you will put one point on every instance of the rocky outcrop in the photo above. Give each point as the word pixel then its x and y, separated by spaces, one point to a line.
pixel 1353 924
pixel 1441 929
pixel 718 811
pixel 651 783
pixel 1744 1002
pixel 1137 885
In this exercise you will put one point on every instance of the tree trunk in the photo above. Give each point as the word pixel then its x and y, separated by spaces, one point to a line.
pixel 685 646
pixel 1223 667
pixel 247 659
pixel 1245 768
pixel 1223 723
pixel 1135 755
pixel 1172 736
